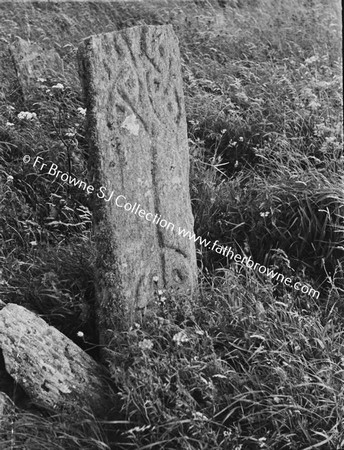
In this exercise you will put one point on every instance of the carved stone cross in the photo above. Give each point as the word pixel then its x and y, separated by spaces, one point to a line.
pixel 139 167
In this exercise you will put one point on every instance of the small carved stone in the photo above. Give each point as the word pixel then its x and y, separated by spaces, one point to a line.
pixel 33 62
pixel 9 83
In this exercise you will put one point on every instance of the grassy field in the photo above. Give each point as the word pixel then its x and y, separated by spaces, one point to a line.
pixel 253 363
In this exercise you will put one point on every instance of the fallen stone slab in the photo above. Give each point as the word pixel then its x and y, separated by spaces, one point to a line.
pixel 52 370
pixel 139 169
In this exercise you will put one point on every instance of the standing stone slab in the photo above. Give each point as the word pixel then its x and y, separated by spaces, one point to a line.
pixel 139 157
pixel 33 62
pixel 52 370
pixel 8 76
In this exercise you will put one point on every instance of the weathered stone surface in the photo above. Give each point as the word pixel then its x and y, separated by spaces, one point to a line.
pixel 33 62
pixel 8 76
pixel 138 156
pixel 51 369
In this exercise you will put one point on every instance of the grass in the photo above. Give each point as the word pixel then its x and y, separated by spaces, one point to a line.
pixel 22 429
pixel 250 364
pixel 243 369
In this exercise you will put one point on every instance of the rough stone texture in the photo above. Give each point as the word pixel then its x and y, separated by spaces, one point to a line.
pixel 9 82
pixel 138 149
pixel 33 62
pixel 51 369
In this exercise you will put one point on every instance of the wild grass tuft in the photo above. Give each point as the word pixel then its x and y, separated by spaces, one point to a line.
pixel 243 371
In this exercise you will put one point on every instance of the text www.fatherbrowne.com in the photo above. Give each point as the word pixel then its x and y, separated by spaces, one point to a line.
pixel 248 262
pixel 156 219
pixel 136 209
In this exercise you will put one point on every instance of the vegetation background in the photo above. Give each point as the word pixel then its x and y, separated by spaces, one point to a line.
pixel 251 364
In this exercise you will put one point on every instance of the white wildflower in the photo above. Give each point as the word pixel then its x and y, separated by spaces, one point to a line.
pixel 314 104
pixel 199 416
pixel 264 214
pixel 9 178
pixel 70 132
pixel 9 124
pixel 311 60
pixel 58 86
pixel 241 139
pixel 146 344
pixel 26 115
pixel 82 111
pixel 262 443
pixel 180 337
pixel 80 334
